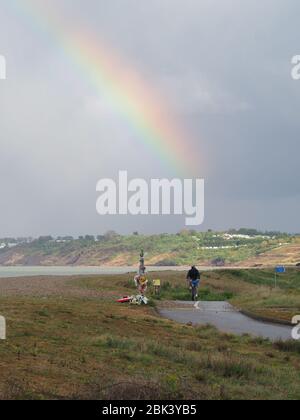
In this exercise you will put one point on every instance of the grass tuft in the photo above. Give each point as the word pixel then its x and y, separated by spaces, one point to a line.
pixel 291 346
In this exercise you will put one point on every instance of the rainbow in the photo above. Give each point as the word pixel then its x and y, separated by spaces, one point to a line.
pixel 145 111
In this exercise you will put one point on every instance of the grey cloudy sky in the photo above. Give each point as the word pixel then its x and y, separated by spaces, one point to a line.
pixel 224 66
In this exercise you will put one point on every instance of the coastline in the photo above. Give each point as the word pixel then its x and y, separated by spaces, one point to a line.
pixel 68 271
pixel 40 271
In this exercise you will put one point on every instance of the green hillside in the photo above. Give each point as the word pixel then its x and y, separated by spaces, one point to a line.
pixel 184 248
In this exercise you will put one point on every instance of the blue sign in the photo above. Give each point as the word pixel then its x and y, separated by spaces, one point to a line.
pixel 280 269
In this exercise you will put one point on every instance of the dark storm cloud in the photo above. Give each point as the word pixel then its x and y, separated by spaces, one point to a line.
pixel 224 66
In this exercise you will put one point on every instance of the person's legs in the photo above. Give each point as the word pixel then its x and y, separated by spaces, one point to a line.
pixel 196 284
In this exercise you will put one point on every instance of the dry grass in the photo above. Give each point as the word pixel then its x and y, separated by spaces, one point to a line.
pixel 82 348
pixel 72 341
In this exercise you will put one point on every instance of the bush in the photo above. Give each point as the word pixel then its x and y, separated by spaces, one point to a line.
pixel 291 346
pixel 166 263
pixel 232 367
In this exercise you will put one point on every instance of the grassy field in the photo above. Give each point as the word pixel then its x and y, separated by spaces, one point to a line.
pixel 254 291
pixel 251 290
pixel 84 345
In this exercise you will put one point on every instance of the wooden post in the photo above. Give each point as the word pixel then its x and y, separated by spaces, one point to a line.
pixel 157 286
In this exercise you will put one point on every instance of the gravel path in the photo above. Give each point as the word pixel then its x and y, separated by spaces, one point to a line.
pixel 48 286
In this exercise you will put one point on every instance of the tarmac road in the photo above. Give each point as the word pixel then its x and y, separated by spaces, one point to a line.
pixel 224 317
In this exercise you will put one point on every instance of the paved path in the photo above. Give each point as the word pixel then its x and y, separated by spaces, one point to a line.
pixel 226 318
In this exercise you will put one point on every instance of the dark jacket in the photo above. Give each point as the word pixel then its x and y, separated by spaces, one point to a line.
pixel 193 274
